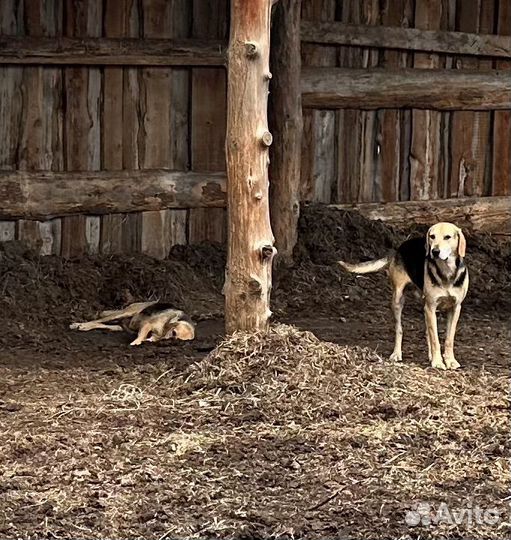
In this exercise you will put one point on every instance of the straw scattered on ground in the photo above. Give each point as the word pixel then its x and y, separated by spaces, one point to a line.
pixel 278 436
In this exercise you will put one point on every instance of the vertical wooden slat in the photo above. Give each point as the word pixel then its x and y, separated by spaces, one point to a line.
pixel 395 13
pixel 178 224
pixel 41 123
pixel 7 231
pixel 115 13
pixel 131 226
pixel 11 23
pixel 449 24
pixel 318 167
pixel 82 123
pixel 370 181
pixel 483 186
pixel 285 124
pixel 208 118
pixel 470 130
pixel 163 141
pixel 425 148
pixel 348 136
pixel 358 175
pixel 207 224
pixel 155 109
pixel 501 184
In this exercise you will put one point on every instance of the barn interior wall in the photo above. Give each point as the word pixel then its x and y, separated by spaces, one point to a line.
pixel 114 117
pixel 405 154
pixel 109 118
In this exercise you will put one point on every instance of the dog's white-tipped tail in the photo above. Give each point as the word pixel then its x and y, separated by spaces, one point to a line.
pixel 366 267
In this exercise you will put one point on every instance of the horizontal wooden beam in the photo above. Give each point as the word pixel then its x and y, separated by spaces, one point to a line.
pixel 484 214
pixel 42 195
pixel 111 51
pixel 340 88
pixel 412 39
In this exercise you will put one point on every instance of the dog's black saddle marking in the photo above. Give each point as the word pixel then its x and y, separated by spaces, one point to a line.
pixel 157 308
pixel 412 255
pixel 163 306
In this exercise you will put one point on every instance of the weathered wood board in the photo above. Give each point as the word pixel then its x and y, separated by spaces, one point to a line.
pixel 208 118
pixel 501 158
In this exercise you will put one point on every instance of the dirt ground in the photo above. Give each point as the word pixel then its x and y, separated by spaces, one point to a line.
pixel 100 440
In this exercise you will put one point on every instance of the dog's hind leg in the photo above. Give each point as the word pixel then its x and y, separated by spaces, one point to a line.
pixel 398 301
pixel 109 312
pixel 399 281
pixel 452 321
pixel 112 315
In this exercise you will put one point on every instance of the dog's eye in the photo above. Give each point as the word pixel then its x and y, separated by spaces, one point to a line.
pixel 447 237
pixel 432 236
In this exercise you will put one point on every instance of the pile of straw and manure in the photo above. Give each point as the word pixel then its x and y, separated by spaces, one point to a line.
pixel 270 436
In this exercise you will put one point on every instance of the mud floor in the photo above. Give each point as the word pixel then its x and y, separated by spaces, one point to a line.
pixel 94 443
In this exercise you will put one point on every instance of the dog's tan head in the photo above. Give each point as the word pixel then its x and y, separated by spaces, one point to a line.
pixel 444 239
pixel 180 330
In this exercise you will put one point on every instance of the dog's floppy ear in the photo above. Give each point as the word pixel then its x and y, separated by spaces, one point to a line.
pixel 428 245
pixel 462 244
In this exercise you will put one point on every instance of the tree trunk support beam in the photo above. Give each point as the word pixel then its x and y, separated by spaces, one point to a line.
pixel 250 239
pixel 287 126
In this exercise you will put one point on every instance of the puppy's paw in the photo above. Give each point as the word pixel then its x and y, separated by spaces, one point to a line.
pixel 396 357
pixel 136 342
pixel 438 363
pixel 74 326
pixel 451 362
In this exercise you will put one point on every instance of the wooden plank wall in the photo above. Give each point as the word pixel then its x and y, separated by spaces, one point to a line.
pixel 400 154
pixel 78 118
pixel 129 118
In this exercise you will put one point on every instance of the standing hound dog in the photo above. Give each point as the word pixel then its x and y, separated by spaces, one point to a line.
pixel 152 321
pixel 435 265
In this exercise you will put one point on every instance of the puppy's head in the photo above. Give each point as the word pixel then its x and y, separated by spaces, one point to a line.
pixel 444 239
pixel 180 330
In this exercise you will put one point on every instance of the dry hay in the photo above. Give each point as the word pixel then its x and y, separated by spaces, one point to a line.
pixel 271 436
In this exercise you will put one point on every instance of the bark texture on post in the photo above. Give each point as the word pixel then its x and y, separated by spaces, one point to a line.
pixel 286 124
pixel 250 240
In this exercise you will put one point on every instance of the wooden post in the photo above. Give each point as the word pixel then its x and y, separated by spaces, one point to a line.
pixel 250 240
pixel 287 124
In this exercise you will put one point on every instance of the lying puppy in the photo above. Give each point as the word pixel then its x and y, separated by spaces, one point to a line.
pixel 435 265
pixel 152 321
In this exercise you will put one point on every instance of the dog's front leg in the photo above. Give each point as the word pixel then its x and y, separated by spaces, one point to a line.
pixel 144 331
pixel 452 321
pixel 95 325
pixel 435 352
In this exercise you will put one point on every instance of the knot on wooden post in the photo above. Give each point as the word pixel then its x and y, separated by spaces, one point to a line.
pixel 254 287
pixel 267 253
pixel 251 50
pixel 266 138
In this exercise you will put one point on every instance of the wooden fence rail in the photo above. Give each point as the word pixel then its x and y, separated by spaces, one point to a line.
pixel 483 214
pixel 42 195
pixel 411 39
pixel 341 88
pixel 111 51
